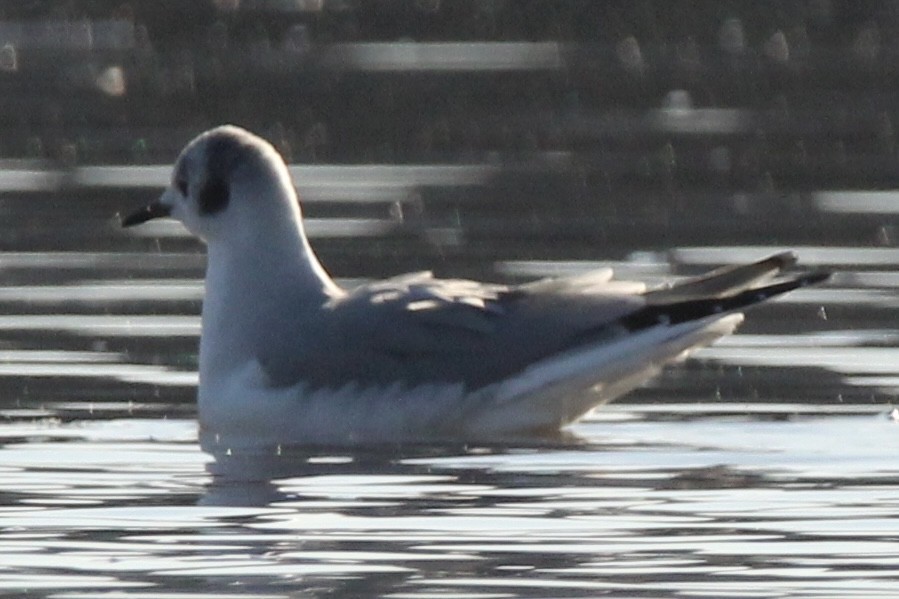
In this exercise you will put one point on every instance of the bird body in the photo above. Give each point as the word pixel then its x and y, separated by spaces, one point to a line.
pixel 288 357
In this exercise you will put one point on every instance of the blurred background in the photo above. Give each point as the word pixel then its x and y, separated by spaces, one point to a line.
pixel 501 140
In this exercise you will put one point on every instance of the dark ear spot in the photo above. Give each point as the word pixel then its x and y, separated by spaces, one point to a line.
pixel 222 156
pixel 180 178
pixel 214 195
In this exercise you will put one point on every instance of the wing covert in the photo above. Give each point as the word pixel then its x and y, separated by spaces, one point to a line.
pixel 422 330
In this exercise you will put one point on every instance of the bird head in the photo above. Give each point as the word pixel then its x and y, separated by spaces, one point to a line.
pixel 226 181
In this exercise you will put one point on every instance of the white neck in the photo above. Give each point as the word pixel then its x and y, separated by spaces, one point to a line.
pixel 254 284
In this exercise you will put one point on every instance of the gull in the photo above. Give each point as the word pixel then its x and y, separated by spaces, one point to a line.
pixel 289 357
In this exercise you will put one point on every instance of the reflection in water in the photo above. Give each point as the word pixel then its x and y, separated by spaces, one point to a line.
pixel 842 256
pixel 858 202
pixel 106 326
pixel 641 505
pixel 106 291
pixel 465 56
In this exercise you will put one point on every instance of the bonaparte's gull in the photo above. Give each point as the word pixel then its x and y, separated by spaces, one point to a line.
pixel 288 357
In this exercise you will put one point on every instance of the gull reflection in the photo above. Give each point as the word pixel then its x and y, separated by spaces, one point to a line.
pixel 258 476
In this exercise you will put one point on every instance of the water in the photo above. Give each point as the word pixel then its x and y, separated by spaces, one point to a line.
pixel 764 467
pixel 687 501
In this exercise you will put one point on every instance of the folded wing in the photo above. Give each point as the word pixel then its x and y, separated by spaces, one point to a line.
pixel 420 330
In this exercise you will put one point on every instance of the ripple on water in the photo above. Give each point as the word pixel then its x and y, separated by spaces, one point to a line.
pixel 106 494
pixel 703 505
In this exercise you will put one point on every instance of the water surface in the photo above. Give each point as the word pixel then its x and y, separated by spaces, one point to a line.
pixel 765 466
pixel 687 501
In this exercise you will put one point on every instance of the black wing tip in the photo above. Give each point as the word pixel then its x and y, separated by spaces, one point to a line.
pixel 780 286
pixel 696 309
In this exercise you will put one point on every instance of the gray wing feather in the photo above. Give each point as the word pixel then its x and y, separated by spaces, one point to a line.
pixel 418 329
